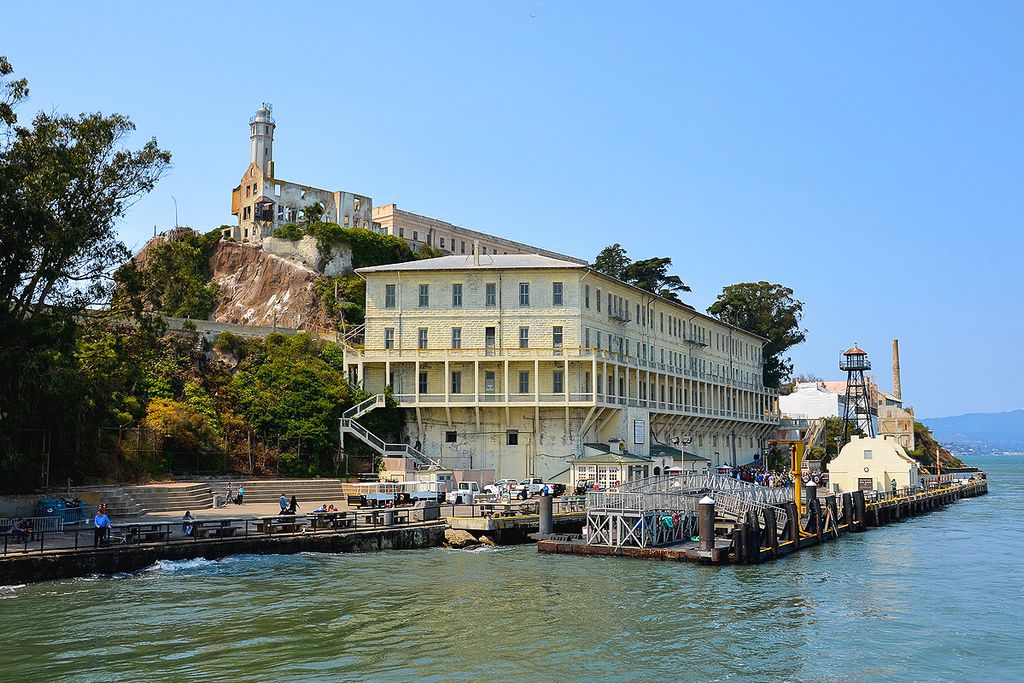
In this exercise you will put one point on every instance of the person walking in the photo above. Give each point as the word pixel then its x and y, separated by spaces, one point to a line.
pixel 284 503
pixel 102 524
pixel 227 495
pixel 186 523
pixel 241 495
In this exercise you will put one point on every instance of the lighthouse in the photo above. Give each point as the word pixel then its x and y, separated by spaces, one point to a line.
pixel 261 136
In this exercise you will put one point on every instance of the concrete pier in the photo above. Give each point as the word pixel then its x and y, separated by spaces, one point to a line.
pixel 70 563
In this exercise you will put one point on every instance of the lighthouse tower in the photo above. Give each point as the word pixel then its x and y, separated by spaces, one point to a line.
pixel 858 410
pixel 261 134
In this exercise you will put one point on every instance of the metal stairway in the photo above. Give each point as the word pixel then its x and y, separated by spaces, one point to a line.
pixel 348 425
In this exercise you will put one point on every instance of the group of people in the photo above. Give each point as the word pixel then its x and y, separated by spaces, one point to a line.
pixel 324 507
pixel 236 499
pixel 21 529
pixel 288 508
pixel 765 477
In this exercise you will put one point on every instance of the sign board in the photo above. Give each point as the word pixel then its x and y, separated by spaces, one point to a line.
pixel 866 484
pixel 639 431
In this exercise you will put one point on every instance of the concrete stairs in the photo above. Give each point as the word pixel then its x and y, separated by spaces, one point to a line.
pixel 349 425
pixel 308 492
pixel 176 496
pixel 119 504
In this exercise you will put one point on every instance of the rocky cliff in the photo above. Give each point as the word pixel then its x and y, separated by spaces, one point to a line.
pixel 260 288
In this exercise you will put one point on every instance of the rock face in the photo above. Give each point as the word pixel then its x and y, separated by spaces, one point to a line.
pixel 260 288
pixel 306 251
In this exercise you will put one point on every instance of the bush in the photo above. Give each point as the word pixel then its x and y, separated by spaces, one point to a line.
pixel 289 231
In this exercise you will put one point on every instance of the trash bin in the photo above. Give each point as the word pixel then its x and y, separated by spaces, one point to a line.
pixel 218 500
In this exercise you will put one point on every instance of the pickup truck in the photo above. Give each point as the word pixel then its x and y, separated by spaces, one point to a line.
pixel 534 486
pixel 467 493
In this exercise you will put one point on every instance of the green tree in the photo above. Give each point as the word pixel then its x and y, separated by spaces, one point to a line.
pixel 612 261
pixel 648 274
pixel 652 275
pixel 173 279
pixel 313 213
pixel 768 310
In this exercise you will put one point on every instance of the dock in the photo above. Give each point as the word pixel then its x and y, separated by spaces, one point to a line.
pixel 515 522
pixel 663 518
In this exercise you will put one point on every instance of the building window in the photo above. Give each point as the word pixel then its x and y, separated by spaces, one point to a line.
pixel 449 437
pixel 456 295
pixel 489 382
pixel 423 383
pixel 556 293
pixel 524 382
pixel 422 341
pixel 401 232
pixel 415 236
pixel 586 296
pixel 389 337
pixel 586 337
pixel 462 247
pixel 457 382
pixel 867 455
pixel 442 243
pixel 389 296
pixel 556 338
pixel 456 337
pixel 512 437
pixel 492 294
pixel 424 296
pixel 524 293
pixel 558 381
pixel 599 301
pixel 524 337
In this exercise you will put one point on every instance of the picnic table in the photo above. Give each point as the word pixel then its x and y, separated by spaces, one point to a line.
pixel 280 524
pixel 332 520
pixel 507 509
pixel 216 528
pixel 147 533
pixel 385 517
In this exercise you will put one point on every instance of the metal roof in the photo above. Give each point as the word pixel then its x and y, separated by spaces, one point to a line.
pixel 468 262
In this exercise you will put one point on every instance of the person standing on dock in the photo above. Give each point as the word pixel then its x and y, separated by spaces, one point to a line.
pixel 241 494
pixel 227 495
pixel 102 523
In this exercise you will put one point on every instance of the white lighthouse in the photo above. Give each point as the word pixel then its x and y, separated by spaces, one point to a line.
pixel 261 135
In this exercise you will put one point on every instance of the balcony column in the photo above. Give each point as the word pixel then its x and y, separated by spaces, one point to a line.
pixel 417 379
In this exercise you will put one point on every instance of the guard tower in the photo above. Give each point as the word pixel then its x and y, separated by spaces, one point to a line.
pixel 858 409
pixel 261 133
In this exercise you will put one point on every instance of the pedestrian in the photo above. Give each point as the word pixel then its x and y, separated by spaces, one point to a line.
pixel 284 503
pixel 186 523
pixel 102 523
pixel 293 506
pixel 241 494
pixel 227 495
pixel 894 487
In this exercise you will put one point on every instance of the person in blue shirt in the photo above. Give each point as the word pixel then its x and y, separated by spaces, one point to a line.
pixel 241 495
pixel 284 503
pixel 102 523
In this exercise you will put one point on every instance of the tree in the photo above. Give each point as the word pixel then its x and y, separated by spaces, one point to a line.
pixel 612 261
pixel 648 274
pixel 652 275
pixel 64 182
pixel 313 213
pixel 768 310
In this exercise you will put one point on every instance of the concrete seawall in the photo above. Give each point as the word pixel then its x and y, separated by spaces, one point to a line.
pixel 47 566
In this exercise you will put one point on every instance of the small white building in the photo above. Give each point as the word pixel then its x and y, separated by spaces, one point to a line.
pixel 872 464
pixel 811 400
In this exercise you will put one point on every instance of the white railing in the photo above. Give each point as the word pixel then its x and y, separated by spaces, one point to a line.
pixel 364 407
pixel 47 524
pixel 350 426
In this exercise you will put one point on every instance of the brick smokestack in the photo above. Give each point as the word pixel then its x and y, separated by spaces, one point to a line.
pixel 897 390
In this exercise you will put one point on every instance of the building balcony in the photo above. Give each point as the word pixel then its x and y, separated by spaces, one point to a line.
pixel 553 354
pixel 578 399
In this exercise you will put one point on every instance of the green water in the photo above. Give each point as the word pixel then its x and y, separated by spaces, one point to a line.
pixel 937 597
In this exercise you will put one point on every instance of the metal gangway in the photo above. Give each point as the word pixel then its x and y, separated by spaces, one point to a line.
pixel 663 509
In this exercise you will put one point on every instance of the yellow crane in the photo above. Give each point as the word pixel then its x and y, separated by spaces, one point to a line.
pixel 796 450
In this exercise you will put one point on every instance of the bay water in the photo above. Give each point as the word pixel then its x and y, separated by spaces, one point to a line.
pixel 938 597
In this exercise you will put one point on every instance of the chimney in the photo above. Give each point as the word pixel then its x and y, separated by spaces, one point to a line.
pixel 476 252
pixel 897 390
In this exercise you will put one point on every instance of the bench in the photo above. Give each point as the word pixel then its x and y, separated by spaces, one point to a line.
pixel 214 528
pixel 387 517
pixel 281 524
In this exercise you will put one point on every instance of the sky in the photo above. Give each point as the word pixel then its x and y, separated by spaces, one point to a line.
pixel 868 155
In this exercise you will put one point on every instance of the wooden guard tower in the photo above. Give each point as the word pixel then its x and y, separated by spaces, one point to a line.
pixel 857 410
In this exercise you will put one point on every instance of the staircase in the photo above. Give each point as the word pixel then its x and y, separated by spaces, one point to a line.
pixel 388 450
pixel 119 504
pixel 164 497
pixel 308 492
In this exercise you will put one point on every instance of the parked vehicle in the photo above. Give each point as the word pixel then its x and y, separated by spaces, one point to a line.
pixel 534 486
pixel 468 493
pixel 501 486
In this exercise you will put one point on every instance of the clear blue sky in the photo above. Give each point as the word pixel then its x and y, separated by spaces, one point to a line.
pixel 869 156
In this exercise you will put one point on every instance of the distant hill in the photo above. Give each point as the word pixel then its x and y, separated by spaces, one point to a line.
pixel 993 430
